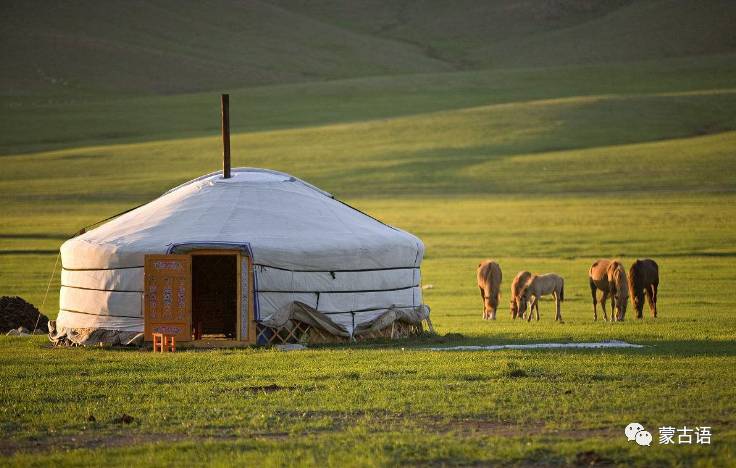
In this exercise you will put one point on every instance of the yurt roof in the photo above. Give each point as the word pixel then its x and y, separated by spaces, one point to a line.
pixel 284 222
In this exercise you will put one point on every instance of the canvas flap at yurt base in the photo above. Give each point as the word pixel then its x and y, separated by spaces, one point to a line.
pixel 311 268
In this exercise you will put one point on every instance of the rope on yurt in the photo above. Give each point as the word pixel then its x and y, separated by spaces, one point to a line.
pixel 48 286
pixel 84 229
pixel 56 263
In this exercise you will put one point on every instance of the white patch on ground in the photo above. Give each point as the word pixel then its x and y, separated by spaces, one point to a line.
pixel 597 345
pixel 290 347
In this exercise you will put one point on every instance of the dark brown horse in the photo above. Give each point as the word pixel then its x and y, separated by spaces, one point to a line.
pixel 644 279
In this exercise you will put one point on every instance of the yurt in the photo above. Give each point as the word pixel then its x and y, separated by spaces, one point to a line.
pixel 259 257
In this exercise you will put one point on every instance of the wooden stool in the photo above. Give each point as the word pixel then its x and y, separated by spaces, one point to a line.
pixel 163 343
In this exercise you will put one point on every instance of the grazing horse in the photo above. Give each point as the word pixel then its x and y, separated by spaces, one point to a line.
pixel 489 283
pixel 538 286
pixel 516 287
pixel 644 279
pixel 618 288
pixel 610 277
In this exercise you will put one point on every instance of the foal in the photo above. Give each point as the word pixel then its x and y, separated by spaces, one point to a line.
pixel 516 287
pixel 542 285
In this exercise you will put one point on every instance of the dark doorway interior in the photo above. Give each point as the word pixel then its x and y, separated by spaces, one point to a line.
pixel 214 295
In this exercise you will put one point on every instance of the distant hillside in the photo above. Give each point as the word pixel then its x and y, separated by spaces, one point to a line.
pixel 167 46
pixel 498 33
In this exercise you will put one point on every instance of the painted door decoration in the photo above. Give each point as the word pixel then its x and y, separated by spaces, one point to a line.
pixel 168 296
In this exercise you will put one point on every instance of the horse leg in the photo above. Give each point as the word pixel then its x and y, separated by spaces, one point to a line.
pixel 651 292
pixel 536 306
pixel 519 314
pixel 483 300
pixel 557 303
pixel 614 317
pixel 655 288
pixel 593 291
pixel 604 298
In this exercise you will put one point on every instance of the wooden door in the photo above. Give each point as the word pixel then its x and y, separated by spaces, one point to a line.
pixel 168 296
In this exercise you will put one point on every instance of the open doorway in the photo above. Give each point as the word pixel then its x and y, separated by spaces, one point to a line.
pixel 215 295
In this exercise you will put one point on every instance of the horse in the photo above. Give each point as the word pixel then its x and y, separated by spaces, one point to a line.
pixel 542 285
pixel 644 279
pixel 489 283
pixel 618 288
pixel 516 287
pixel 605 275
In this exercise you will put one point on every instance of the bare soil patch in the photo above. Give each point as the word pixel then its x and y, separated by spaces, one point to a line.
pixel 16 312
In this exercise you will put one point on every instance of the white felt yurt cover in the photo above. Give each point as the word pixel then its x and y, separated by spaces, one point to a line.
pixel 306 246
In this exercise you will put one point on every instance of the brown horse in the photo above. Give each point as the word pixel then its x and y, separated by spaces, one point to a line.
pixel 538 286
pixel 618 288
pixel 601 275
pixel 598 277
pixel 489 283
pixel 516 287
pixel 644 279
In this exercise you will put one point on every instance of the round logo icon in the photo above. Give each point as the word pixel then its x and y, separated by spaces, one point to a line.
pixel 644 438
pixel 632 429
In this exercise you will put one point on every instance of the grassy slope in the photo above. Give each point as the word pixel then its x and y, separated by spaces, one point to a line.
pixel 32 124
pixel 90 46
pixel 542 169
pixel 539 183
pixel 499 34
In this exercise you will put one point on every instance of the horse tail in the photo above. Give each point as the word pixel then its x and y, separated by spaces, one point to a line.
pixel 633 277
pixel 562 291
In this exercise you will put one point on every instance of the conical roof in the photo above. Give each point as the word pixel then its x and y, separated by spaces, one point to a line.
pixel 286 223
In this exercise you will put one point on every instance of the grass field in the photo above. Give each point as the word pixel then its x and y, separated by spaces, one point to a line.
pixel 481 148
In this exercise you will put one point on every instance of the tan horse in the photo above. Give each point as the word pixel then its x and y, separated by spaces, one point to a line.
pixel 644 279
pixel 516 287
pixel 619 290
pixel 542 285
pixel 489 283
pixel 609 276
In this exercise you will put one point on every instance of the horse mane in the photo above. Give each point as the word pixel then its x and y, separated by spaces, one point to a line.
pixel 525 287
pixel 618 269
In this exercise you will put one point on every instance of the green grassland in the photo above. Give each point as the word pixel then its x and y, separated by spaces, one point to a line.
pixel 503 139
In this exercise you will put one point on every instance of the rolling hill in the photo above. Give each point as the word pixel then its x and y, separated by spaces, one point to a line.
pixel 542 133
pixel 162 46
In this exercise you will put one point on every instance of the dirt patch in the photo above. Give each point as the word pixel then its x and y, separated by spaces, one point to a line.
pixel 340 422
pixel 85 441
pixel 16 312
pixel 512 429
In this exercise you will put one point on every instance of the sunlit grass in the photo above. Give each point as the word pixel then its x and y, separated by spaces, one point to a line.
pixel 548 181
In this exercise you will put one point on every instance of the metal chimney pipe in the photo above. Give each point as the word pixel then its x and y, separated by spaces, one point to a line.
pixel 225 136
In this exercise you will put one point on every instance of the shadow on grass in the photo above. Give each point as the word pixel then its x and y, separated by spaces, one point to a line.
pixel 680 348
pixel 426 342
pixel 35 236
pixel 30 252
